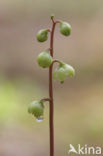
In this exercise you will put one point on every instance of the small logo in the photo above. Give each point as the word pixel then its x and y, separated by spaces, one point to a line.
pixel 85 150
pixel 72 149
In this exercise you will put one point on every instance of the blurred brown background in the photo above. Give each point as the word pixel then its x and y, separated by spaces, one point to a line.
pixel 78 102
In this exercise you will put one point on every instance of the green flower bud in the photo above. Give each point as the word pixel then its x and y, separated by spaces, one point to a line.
pixel 60 74
pixel 44 59
pixel 42 35
pixel 70 70
pixel 36 108
pixel 63 71
pixel 65 28
pixel 52 16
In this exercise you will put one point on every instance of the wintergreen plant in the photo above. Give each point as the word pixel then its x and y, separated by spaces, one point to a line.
pixel 45 60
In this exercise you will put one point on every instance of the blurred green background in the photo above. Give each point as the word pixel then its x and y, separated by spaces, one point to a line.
pixel 78 102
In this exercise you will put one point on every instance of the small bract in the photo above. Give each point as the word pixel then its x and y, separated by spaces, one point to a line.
pixel 36 108
pixel 65 28
pixel 42 35
pixel 44 59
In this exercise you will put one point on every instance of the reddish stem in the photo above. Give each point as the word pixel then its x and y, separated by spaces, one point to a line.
pixel 56 61
pixel 51 108
pixel 45 99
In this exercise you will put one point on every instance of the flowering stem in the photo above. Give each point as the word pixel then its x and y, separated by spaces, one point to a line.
pixel 51 108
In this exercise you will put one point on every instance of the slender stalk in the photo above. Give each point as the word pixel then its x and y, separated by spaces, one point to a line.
pixel 45 99
pixel 51 108
pixel 56 61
